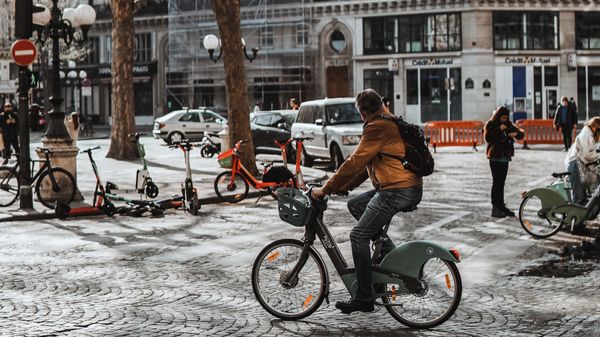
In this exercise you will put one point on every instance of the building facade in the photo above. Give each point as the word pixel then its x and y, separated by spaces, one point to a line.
pixel 434 59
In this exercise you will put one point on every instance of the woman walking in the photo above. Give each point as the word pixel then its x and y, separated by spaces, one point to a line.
pixel 500 135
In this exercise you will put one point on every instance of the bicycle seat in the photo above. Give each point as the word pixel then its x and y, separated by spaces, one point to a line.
pixel 561 174
pixel 268 164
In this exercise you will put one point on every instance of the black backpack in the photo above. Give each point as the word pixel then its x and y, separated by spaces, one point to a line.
pixel 417 159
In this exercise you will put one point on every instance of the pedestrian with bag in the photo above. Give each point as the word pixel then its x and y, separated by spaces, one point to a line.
pixel 395 189
pixel 10 131
pixel 565 120
pixel 500 134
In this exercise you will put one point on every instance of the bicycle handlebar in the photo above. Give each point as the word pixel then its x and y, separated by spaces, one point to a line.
pixel 90 149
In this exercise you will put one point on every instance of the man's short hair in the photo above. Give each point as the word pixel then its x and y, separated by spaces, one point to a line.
pixel 8 104
pixel 368 101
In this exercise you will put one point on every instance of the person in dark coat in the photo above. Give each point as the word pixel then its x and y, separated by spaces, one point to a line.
pixel 500 135
pixel 565 119
pixel 10 131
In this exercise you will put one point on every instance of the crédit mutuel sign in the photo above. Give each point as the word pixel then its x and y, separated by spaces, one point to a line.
pixel 527 60
pixel 432 62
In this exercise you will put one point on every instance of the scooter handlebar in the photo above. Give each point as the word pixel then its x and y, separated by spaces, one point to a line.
pixel 90 149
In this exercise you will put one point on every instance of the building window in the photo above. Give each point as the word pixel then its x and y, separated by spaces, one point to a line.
pixel 142 49
pixel 380 35
pixel 301 35
pixel 382 81
pixel 266 37
pixel 107 50
pixel 93 51
pixel 412 34
pixel 587 30
pixel 412 87
pixel 529 31
pixel 337 41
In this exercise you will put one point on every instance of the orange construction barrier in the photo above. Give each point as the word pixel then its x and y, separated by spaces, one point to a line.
pixel 454 133
pixel 541 131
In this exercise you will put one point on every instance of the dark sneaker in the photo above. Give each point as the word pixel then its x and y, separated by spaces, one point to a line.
pixel 498 213
pixel 581 230
pixel 507 211
pixel 354 305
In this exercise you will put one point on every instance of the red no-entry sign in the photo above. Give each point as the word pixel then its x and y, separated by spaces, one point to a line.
pixel 23 52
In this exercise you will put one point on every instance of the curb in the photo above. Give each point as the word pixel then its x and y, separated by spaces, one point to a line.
pixel 49 214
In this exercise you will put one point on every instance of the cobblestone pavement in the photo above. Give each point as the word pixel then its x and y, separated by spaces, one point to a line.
pixel 180 275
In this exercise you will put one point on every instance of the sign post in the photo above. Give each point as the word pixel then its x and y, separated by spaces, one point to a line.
pixel 24 53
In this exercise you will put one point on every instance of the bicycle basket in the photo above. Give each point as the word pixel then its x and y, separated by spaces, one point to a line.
pixel 294 207
pixel 225 159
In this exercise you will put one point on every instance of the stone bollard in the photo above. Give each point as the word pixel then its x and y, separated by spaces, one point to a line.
pixel 63 156
pixel 225 142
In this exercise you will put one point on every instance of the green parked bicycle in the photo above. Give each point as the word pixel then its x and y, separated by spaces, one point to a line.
pixel 418 282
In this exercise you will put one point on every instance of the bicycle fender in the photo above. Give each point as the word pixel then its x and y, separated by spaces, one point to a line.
pixel 548 196
pixel 409 257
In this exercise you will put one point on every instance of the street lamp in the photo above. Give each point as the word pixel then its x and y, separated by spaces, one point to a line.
pixel 70 25
pixel 59 24
pixel 212 42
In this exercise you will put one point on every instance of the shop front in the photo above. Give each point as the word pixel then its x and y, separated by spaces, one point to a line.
pixel 529 85
pixel 143 82
pixel 588 87
pixel 433 89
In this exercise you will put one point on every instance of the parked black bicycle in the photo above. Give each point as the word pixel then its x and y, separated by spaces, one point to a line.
pixel 51 184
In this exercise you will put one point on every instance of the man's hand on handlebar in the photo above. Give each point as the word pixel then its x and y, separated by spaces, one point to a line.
pixel 317 193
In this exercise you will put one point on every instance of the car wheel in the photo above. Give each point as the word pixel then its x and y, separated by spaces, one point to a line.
pixel 336 156
pixel 175 137
pixel 306 159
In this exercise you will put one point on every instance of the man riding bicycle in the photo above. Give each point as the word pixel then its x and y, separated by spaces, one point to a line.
pixel 396 189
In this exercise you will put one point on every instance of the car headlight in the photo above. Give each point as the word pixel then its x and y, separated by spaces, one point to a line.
pixel 350 140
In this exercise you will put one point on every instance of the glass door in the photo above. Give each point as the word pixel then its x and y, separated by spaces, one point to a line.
pixel 551 102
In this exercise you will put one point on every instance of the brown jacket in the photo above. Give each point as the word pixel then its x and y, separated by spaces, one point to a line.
pixel 379 135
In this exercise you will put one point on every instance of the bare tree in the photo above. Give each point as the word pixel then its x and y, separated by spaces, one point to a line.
pixel 227 13
pixel 123 121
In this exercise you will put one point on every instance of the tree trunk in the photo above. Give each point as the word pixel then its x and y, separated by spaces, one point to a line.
pixel 123 121
pixel 227 13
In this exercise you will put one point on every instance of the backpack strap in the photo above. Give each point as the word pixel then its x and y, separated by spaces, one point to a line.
pixel 382 154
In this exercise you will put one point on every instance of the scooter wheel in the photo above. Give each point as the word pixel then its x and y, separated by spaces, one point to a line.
pixel 207 152
pixel 151 190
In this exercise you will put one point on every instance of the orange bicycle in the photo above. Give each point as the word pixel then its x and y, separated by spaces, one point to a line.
pixel 232 186
pixel 298 177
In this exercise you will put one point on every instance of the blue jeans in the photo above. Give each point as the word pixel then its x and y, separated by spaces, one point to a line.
pixel 374 210
pixel 576 187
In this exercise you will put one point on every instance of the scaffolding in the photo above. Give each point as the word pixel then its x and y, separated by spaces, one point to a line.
pixel 283 69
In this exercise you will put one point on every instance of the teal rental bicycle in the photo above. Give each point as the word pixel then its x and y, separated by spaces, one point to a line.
pixel 418 281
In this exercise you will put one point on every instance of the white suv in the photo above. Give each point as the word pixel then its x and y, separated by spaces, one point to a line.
pixel 335 125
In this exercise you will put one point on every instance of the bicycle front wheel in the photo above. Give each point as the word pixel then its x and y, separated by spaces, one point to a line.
pixel 231 191
pixel 62 190
pixel 9 186
pixel 288 301
pixel 533 223
pixel 436 300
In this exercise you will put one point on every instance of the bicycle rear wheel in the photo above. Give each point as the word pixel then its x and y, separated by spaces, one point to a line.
pixel 9 186
pixel 294 301
pixel 534 224
pixel 62 192
pixel 436 300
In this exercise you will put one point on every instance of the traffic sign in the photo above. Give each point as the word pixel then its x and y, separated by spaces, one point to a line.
pixel 23 52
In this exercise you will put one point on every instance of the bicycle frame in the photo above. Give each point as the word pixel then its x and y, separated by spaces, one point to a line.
pixel 402 266
pixel 238 168
pixel 298 177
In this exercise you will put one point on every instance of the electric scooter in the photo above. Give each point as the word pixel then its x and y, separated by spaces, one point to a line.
pixel 143 182
pixel 188 191
pixel 103 200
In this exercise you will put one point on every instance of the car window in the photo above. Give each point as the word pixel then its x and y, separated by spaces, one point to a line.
pixel 276 119
pixel 319 114
pixel 190 116
pixel 342 114
pixel 210 117
pixel 304 115
pixel 263 120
